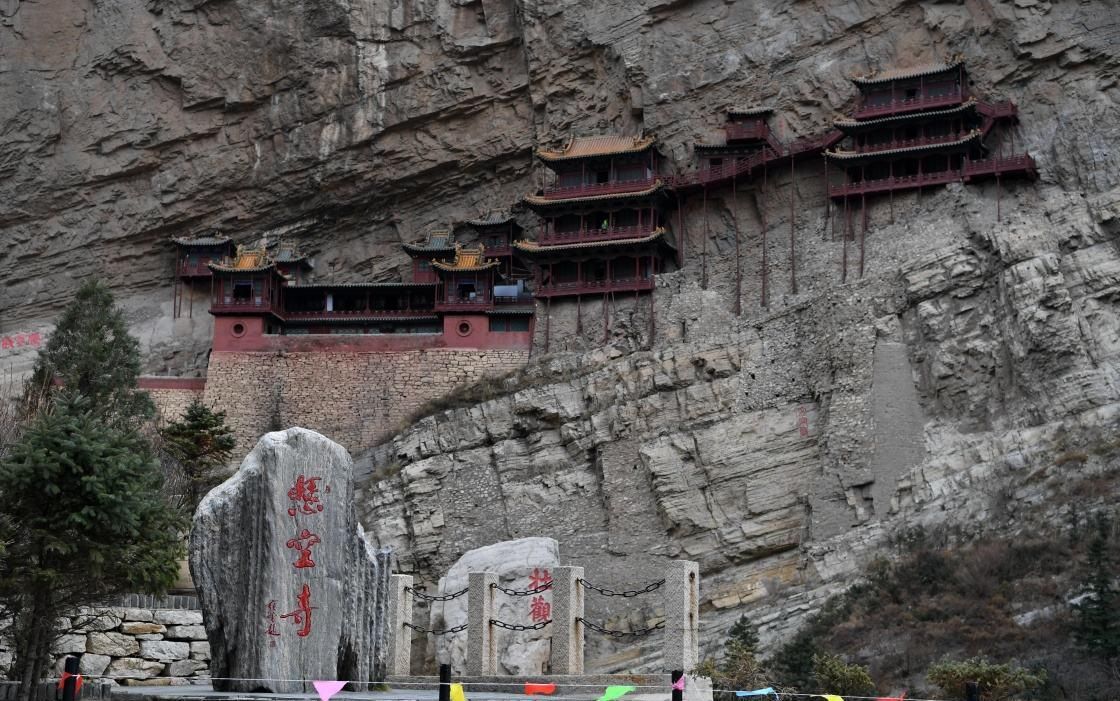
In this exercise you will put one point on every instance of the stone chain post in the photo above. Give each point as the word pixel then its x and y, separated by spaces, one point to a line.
pixel 400 636
pixel 481 655
pixel 567 632
pixel 682 615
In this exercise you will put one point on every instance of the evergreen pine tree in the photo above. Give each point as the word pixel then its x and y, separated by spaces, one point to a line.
pixel 1097 626
pixel 86 522
pixel 91 353
pixel 199 443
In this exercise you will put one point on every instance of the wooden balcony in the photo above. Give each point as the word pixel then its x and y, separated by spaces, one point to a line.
pixel 613 233
pixel 246 306
pixel 923 102
pixel 360 314
pixel 480 303
pixel 200 269
pixel 1012 165
pixel 598 189
pixel 743 132
pixel 909 143
pixel 594 287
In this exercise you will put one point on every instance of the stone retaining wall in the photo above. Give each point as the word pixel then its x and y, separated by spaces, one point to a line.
pixel 133 646
pixel 353 398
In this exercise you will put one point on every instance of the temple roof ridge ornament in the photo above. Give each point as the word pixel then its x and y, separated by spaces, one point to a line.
pixel 467 259
pixel 597 146
pixel 919 71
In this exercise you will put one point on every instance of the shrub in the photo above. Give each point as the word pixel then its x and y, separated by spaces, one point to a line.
pixel 832 675
pixel 997 681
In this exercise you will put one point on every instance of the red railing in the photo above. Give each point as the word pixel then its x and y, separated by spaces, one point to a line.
pixel 575 287
pixel 349 314
pixel 591 190
pixel 745 166
pixel 997 110
pixel 249 306
pixel 612 233
pixel 525 300
pixel 753 130
pixel 462 305
pixel 188 269
pixel 909 105
pixel 1010 165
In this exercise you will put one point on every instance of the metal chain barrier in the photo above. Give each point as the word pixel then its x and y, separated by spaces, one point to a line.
pixel 515 626
pixel 456 629
pixel 427 597
pixel 626 594
pixel 621 633
pixel 528 592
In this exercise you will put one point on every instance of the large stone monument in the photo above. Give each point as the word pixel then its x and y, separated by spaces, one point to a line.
pixel 289 587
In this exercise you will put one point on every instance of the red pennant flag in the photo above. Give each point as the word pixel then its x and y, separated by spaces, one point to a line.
pixel 77 684
pixel 893 698
pixel 532 689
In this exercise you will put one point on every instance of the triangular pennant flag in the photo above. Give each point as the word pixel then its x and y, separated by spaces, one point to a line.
pixel 757 692
pixel 679 684
pixel 611 693
pixel 457 693
pixel 831 697
pixel 327 689
pixel 77 683
pixel 532 689
pixel 893 698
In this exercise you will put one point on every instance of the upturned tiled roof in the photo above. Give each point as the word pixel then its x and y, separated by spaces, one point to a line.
pixel 491 219
pixel 849 123
pixel 907 73
pixel 749 111
pixel 245 260
pixel 534 247
pixel 973 135
pixel 201 241
pixel 590 146
pixel 540 200
pixel 434 241
pixel 467 259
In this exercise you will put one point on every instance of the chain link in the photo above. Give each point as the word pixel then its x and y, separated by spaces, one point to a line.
pixel 528 592
pixel 427 597
pixel 624 594
pixel 456 629
pixel 515 626
pixel 616 634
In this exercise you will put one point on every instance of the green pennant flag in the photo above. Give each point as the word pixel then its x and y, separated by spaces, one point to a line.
pixel 615 692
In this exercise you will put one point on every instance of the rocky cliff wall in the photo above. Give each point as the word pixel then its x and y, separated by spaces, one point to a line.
pixel 949 384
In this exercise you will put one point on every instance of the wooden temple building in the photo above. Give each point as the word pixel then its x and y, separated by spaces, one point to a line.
pixel 602 227
pixel 192 256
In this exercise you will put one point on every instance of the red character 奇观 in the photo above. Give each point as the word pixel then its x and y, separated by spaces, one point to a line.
pixel 539 609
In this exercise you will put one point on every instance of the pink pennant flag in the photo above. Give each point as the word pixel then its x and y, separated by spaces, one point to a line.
pixel 327 689
pixel 679 684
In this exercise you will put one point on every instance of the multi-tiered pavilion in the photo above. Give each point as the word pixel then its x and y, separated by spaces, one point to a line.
pixel 602 220
pixel 919 127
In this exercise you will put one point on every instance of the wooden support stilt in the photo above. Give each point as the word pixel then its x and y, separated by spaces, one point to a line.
pixel 652 306
pixel 863 232
pixel 765 299
pixel 827 197
pixel 547 323
pixel 844 256
pixel 606 318
pixel 704 254
pixel 579 314
pixel 999 192
pixel 680 232
pixel 738 254
pixel 792 226
pixel 190 301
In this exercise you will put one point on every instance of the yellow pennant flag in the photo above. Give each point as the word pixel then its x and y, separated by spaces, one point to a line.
pixel 458 695
pixel 826 697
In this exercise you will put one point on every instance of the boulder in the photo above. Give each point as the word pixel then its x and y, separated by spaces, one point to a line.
pixel 134 668
pixel 177 617
pixel 142 615
pixel 89 619
pixel 184 668
pixel 200 651
pixel 288 584
pixel 520 565
pixel 112 644
pixel 93 665
pixel 186 633
pixel 164 650
pixel 141 628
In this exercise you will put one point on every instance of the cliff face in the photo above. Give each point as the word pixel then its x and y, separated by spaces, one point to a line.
pixel 779 447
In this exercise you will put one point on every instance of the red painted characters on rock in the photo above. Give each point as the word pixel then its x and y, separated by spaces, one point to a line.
pixel 539 609
pixel 304 496
pixel 301 616
pixel 540 577
pixel 303 543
